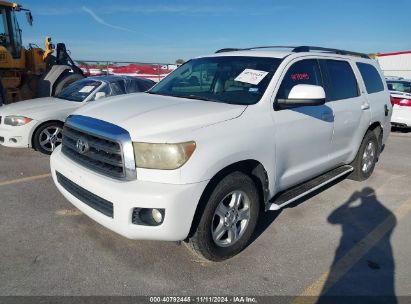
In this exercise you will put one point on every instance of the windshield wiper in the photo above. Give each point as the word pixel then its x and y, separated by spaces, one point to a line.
pixel 196 97
pixel 200 98
pixel 154 93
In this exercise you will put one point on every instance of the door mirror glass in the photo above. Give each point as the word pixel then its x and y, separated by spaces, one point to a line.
pixel 99 95
pixel 303 95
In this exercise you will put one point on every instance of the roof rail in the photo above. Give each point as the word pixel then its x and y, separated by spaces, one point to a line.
pixel 254 48
pixel 298 49
pixel 328 50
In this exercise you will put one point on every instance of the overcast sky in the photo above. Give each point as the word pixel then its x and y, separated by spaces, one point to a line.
pixel 163 31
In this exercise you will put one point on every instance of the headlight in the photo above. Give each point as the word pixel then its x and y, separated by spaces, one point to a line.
pixel 162 156
pixel 16 120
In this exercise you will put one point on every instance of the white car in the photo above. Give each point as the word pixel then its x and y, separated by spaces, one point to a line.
pixel 38 122
pixel 400 90
pixel 221 139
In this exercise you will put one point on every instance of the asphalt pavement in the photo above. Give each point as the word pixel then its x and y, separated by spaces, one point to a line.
pixel 352 238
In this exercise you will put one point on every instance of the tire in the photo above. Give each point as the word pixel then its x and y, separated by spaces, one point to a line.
pixel 213 238
pixel 66 81
pixel 363 163
pixel 47 137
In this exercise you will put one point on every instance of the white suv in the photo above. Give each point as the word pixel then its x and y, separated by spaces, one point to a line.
pixel 221 139
pixel 400 90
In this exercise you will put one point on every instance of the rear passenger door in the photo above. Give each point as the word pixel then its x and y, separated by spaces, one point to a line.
pixel 377 95
pixel 349 108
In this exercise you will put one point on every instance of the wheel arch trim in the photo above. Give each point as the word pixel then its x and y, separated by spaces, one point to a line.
pixel 252 168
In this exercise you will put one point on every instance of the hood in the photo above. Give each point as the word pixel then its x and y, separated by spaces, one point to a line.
pixel 144 115
pixel 34 108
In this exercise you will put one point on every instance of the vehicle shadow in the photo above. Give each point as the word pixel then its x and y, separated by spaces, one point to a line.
pixel 400 130
pixel 366 273
pixel 363 267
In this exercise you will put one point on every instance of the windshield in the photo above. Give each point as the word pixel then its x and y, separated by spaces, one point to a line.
pixel 79 90
pixel 229 79
pixel 401 86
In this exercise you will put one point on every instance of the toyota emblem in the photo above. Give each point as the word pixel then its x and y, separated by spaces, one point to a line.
pixel 82 145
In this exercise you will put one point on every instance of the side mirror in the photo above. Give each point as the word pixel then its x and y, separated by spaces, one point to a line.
pixel 303 95
pixel 99 95
pixel 29 18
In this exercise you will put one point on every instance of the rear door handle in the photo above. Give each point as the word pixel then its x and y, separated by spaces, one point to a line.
pixel 386 110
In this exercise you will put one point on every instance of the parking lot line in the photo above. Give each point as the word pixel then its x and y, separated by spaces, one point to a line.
pixel 311 294
pixel 24 179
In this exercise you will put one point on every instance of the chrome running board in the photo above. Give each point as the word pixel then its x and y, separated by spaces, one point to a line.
pixel 287 197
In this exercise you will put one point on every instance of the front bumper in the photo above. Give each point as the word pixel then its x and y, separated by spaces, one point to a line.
pixel 16 137
pixel 179 201
pixel 401 115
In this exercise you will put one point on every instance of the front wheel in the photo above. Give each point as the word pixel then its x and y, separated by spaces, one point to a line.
pixel 364 162
pixel 229 218
pixel 47 137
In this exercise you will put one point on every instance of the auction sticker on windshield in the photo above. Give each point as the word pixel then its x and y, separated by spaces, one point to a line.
pixel 251 76
pixel 87 89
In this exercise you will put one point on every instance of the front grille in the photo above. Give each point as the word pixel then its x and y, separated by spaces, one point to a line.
pixel 103 155
pixel 90 199
pixel 100 146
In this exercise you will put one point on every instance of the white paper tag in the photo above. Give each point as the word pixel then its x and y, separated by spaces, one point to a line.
pixel 87 89
pixel 251 76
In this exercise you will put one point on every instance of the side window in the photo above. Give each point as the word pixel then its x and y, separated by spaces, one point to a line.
pixel 371 77
pixel 340 80
pixel 106 89
pixel 144 86
pixel 133 86
pixel 301 72
pixel 117 88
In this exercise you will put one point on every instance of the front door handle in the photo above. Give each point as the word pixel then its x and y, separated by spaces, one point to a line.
pixel 365 106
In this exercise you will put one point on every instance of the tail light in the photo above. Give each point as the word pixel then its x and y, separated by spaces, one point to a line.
pixel 401 101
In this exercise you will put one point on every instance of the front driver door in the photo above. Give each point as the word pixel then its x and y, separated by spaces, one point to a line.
pixel 302 134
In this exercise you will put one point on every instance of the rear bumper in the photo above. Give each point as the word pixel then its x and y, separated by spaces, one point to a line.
pixel 178 201
pixel 401 116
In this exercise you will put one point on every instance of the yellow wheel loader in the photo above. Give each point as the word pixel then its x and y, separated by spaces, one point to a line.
pixel 30 72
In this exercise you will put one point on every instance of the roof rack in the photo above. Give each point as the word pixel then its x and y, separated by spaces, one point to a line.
pixel 298 49
pixel 254 48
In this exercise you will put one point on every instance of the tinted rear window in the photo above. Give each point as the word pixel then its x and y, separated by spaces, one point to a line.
pixel 340 80
pixel 371 77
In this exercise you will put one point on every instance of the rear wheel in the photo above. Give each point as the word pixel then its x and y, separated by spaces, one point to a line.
pixel 229 218
pixel 364 162
pixel 47 137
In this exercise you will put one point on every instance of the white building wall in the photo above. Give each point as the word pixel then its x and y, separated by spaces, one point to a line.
pixel 396 65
